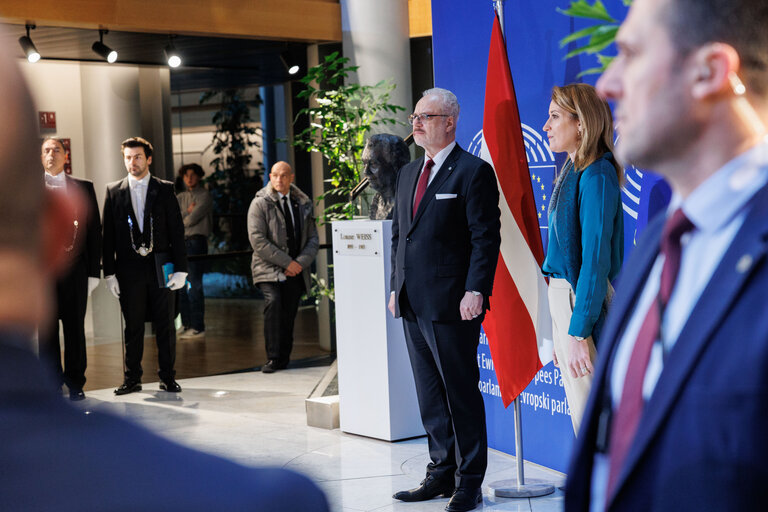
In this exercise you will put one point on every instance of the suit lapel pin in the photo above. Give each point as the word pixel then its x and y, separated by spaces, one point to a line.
pixel 744 263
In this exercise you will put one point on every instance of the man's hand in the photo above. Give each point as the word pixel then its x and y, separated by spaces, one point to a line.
pixel 113 286
pixel 190 208
pixel 579 363
pixel 471 306
pixel 293 269
pixel 391 305
pixel 177 280
pixel 93 282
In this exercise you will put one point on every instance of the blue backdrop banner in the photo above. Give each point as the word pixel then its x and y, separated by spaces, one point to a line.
pixel 533 29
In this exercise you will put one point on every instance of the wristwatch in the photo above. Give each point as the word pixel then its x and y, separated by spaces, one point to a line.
pixel 473 292
pixel 580 338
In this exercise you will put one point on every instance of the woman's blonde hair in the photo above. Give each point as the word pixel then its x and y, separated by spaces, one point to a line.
pixel 583 103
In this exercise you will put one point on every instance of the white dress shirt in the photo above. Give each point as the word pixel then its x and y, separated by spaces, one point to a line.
pixel 139 197
pixel 717 209
pixel 439 160
pixel 56 182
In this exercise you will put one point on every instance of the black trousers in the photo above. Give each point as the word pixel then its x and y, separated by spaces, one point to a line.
pixel 192 301
pixel 141 300
pixel 281 302
pixel 71 301
pixel 444 362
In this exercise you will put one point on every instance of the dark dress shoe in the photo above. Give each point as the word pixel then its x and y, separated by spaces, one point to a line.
pixel 269 367
pixel 76 395
pixel 129 386
pixel 429 488
pixel 464 499
pixel 170 386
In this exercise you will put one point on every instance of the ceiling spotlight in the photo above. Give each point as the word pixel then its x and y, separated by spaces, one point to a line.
pixel 287 58
pixel 172 55
pixel 104 51
pixel 29 47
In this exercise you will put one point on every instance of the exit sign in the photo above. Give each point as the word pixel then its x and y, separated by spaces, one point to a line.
pixel 47 120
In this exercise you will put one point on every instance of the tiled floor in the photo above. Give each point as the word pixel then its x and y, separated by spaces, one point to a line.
pixel 259 419
pixel 234 340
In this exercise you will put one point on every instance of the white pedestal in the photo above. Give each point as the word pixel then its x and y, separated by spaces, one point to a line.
pixel 376 388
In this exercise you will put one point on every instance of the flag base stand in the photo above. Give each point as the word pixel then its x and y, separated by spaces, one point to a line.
pixel 513 489
pixel 518 488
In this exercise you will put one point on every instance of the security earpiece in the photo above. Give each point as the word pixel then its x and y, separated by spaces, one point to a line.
pixel 737 85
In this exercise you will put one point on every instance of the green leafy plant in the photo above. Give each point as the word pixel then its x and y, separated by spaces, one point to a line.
pixel 322 287
pixel 234 182
pixel 340 116
pixel 600 35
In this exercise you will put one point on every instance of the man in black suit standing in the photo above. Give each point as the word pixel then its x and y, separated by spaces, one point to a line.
pixel 143 231
pixel 74 287
pixel 445 245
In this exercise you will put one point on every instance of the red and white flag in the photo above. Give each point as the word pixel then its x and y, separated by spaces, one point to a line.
pixel 519 317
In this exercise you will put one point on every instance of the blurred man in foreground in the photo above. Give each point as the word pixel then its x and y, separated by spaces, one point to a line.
pixel 54 456
pixel 676 419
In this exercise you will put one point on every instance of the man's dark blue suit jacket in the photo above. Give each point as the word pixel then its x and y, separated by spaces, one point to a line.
pixel 702 442
pixel 54 456
pixel 451 244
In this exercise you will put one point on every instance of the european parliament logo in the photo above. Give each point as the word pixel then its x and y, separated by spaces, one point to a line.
pixel 633 178
pixel 640 205
pixel 541 164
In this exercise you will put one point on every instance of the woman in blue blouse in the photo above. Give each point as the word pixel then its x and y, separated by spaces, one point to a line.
pixel 586 233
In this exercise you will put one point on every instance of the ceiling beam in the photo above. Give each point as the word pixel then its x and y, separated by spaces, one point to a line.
pixel 298 20
pixel 420 17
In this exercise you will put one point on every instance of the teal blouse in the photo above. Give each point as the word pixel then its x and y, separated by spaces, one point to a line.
pixel 586 239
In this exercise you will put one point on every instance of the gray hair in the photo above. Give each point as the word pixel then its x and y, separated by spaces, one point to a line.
pixel 447 98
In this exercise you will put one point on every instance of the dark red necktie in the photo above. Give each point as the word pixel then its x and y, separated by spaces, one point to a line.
pixel 421 188
pixel 627 417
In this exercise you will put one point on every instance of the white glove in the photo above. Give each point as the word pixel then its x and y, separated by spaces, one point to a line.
pixel 113 286
pixel 177 280
pixel 93 282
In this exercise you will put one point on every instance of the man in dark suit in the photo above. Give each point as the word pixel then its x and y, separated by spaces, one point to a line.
pixel 74 287
pixel 676 419
pixel 52 455
pixel 445 245
pixel 143 233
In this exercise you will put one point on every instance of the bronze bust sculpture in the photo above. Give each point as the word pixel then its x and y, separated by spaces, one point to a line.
pixel 383 156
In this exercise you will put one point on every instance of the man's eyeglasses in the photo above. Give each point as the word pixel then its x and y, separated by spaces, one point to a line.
pixel 424 117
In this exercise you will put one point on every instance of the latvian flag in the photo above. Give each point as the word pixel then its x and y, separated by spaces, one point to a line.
pixel 519 315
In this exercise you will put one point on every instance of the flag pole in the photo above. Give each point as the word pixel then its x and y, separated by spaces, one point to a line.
pixel 498 5
pixel 517 488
